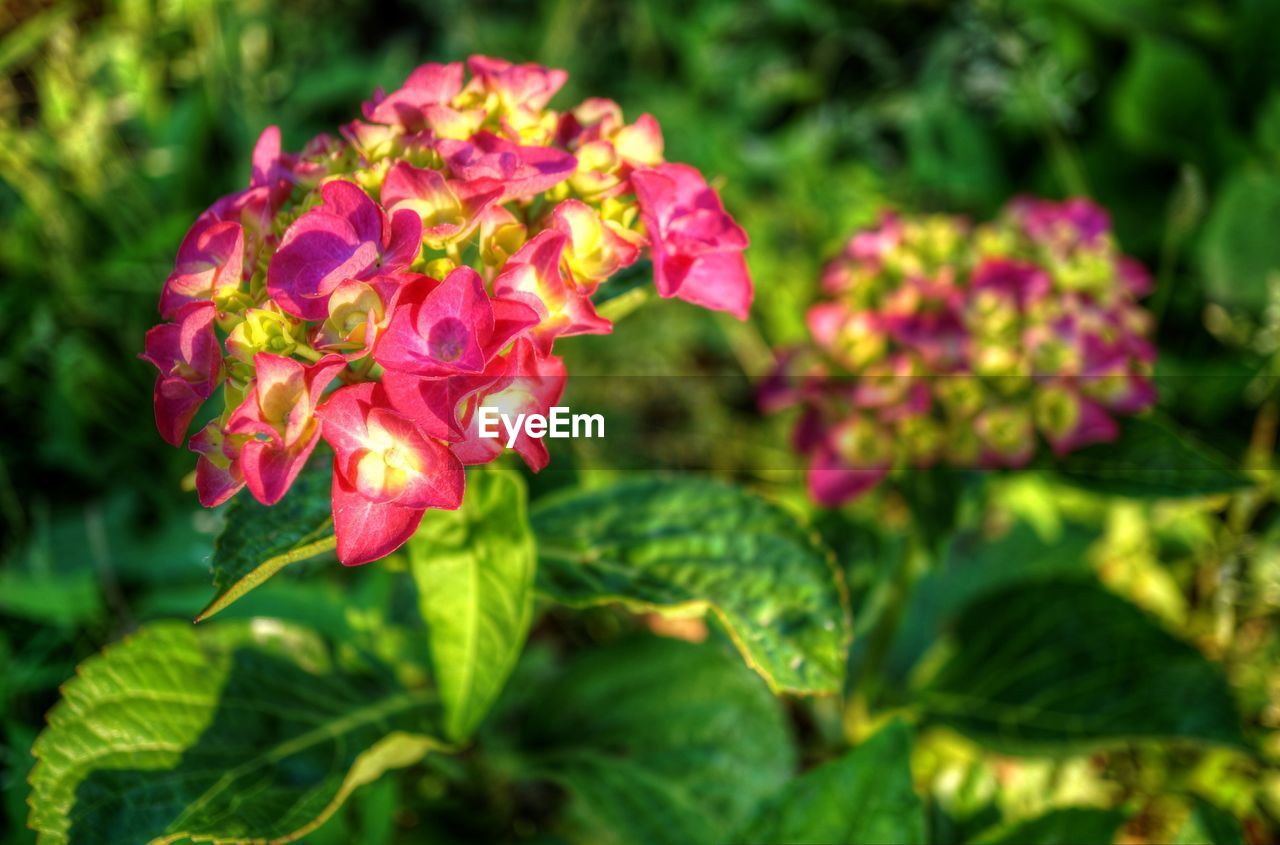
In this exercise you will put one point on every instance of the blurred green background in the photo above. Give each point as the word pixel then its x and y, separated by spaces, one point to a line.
pixel 121 120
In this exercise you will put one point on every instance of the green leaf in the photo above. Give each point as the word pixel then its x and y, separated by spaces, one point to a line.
pixel 258 541
pixel 976 566
pixel 1151 459
pixel 474 568
pixel 1241 254
pixel 864 796
pixel 657 741
pixel 1063 826
pixel 681 545
pixel 230 732
pixel 1065 666
pixel 616 802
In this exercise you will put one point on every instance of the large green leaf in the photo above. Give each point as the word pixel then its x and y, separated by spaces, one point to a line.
pixel 1151 459
pixel 975 566
pixel 688 545
pixel 1063 826
pixel 657 741
pixel 231 732
pixel 1241 252
pixel 474 568
pixel 258 541
pixel 1062 666
pixel 864 796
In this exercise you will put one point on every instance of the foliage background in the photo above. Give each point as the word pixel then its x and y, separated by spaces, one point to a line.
pixel 121 120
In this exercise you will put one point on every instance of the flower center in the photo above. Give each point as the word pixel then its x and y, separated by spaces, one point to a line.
pixel 447 340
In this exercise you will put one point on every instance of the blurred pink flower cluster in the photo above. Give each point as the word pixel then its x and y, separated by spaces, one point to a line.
pixel 941 342
pixel 375 289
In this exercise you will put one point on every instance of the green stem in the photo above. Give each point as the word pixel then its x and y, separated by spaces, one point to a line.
pixel 620 306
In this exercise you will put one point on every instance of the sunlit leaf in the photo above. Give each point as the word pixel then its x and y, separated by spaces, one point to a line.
pixel 229 732
pixel 690 545
pixel 474 568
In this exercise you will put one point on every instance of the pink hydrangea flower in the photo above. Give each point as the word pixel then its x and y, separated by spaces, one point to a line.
pixel 278 415
pixel 383 286
pixel 209 267
pixel 941 342
pixel 449 328
pixel 386 473
pixel 533 276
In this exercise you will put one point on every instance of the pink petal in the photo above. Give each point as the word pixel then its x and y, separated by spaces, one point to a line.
pixel 367 531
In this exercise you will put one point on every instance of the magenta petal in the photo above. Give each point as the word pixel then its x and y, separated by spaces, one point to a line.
pixel 367 531
pixel 318 252
pixel 832 483
pixel 189 360
pixel 1094 425
pixel 343 416
pixel 429 85
pixel 719 281
pixel 349 201
pixel 442 333
pixel 697 247
pixel 210 260
pixel 404 242
pixel 176 403
pixel 430 402
pixel 266 156
pixel 215 485
pixel 523 171
pixel 270 470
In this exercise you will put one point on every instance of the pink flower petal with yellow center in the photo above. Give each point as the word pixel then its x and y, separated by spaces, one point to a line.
pixel 531 384
pixel 278 415
pixel 594 251
pixel 530 86
pixel 384 456
pixel 210 265
pixel 357 312
pixel 450 210
pixel 452 328
pixel 189 358
pixel 533 276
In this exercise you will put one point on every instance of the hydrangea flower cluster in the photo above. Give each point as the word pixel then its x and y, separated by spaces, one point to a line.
pixel 939 342
pixel 376 289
